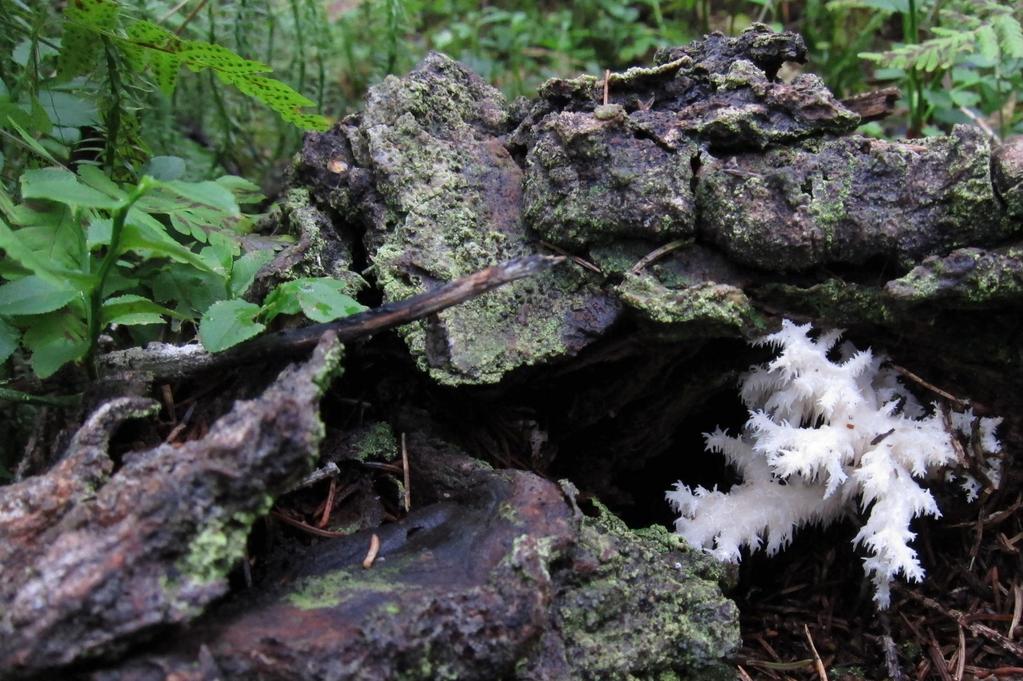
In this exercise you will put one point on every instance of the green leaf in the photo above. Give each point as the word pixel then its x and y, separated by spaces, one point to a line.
pixel 987 42
pixel 33 295
pixel 198 55
pixel 282 300
pixel 9 337
pixel 205 193
pixel 321 299
pixel 60 185
pixel 228 323
pixel 281 98
pixel 80 46
pixel 55 339
pixel 135 310
pixel 243 190
pixel 139 240
pixel 1011 33
pixel 98 180
pixel 245 268
pixel 165 167
pixel 17 250
pixel 30 141
pixel 67 110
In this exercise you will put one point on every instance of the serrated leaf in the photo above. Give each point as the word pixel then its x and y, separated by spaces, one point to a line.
pixel 55 339
pixel 282 300
pixel 66 110
pixel 60 185
pixel 323 300
pixel 17 251
pixel 165 167
pixel 9 337
pixel 133 309
pixel 281 98
pixel 33 295
pixel 98 180
pixel 146 34
pixel 205 193
pixel 83 19
pixel 245 268
pixel 227 323
pixel 198 55
pixel 1011 33
pixel 139 240
pixel 987 42
pixel 166 68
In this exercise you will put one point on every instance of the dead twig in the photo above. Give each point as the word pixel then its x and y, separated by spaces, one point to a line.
pixel 657 254
pixel 962 404
pixel 822 673
pixel 371 555
pixel 328 505
pixel 582 262
pixel 406 477
pixel 305 527
pixel 327 471
pixel 1010 646
pixel 169 362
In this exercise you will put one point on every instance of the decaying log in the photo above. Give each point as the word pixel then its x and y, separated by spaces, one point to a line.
pixel 708 198
pixel 874 105
pixel 497 576
pixel 96 559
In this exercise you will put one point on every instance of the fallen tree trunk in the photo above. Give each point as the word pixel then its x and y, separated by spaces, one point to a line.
pixel 701 200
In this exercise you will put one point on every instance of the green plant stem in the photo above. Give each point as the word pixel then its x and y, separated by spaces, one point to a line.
pixel 113 251
pixel 9 395
pixel 113 117
pixel 911 34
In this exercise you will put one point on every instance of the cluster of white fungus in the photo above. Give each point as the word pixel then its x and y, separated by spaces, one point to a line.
pixel 822 437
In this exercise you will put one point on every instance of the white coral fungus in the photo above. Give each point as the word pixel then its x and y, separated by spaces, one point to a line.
pixel 822 435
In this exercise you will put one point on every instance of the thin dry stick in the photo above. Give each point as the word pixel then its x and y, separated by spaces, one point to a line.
pixel 822 673
pixel 891 652
pixel 938 658
pixel 371 555
pixel 305 527
pixel 172 11
pixel 607 78
pixel 975 628
pixel 582 262
pixel 657 254
pixel 1017 609
pixel 171 362
pixel 328 505
pixel 405 472
pixel 962 404
pixel 960 656
pixel 191 15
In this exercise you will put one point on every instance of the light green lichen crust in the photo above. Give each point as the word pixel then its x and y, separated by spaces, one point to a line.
pixel 451 197
pixel 331 589
pixel 706 308
pixel 652 609
pixel 965 278
pixel 376 442
pixel 852 199
pixel 318 251
pixel 219 545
